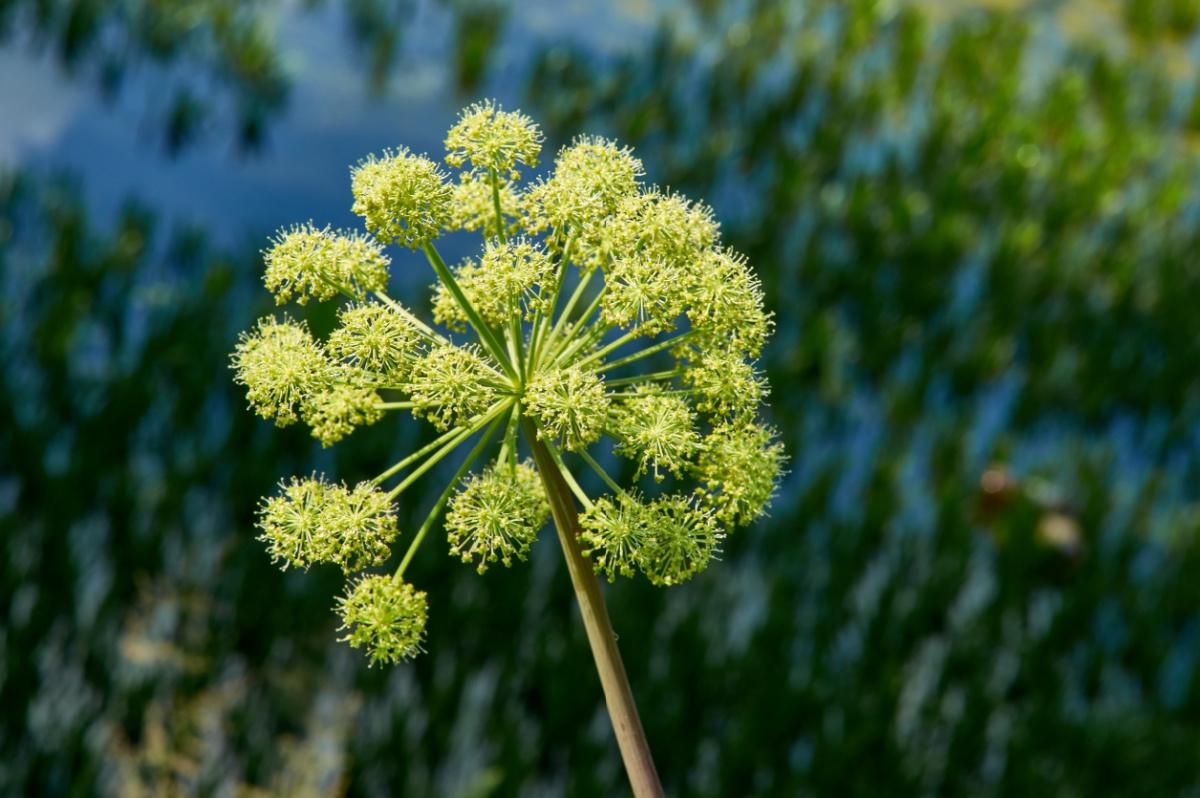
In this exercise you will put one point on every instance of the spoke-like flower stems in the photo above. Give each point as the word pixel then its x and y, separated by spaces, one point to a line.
pixel 631 738
pixel 542 322
pixel 486 335
pixel 495 181
pixel 574 343
pixel 509 449
pixel 640 378
pixel 617 344
pixel 435 443
pixel 556 331
pixel 667 392
pixel 571 338
pixel 650 350
pixel 426 331
pixel 453 485
pixel 591 461
pixel 436 457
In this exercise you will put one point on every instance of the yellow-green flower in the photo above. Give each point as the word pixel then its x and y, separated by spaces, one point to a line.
pixel 490 139
pixel 600 319
pixel 305 263
pixel 384 616
pixel 497 515
pixel 281 365
pixel 402 198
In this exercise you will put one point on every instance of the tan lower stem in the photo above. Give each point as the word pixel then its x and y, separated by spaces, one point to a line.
pixel 622 710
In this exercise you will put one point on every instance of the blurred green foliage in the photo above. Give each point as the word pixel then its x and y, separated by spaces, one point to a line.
pixel 222 60
pixel 980 574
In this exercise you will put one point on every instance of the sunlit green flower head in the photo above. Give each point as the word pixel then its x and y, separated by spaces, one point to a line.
pixel 489 140
pixel 384 616
pixel 312 520
pixel 497 515
pixel 601 326
pixel 376 339
pixel 309 263
pixel 403 198
pixel 281 365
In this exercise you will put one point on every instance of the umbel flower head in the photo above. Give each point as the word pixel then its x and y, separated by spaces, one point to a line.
pixel 602 327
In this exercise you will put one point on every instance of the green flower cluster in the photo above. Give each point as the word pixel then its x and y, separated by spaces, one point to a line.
pixel 598 309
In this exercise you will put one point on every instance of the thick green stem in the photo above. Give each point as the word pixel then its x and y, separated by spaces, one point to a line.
pixel 622 711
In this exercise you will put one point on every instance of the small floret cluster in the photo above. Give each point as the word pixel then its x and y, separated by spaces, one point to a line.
pixel 602 323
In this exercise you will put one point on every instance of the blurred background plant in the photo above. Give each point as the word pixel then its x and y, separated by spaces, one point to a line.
pixel 978 231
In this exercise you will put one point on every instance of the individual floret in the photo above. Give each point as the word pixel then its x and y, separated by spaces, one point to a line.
pixel 568 404
pixel 292 523
pixel 497 515
pixel 281 365
pixel 452 384
pixel 681 538
pixel 655 429
pixel 313 521
pixel 473 207
pixel 614 532
pixel 403 198
pixel 649 295
pixel 591 177
pixel 660 227
pixel 510 280
pixel 725 384
pixel 739 465
pixel 376 339
pixel 491 139
pixel 306 262
pixel 386 617
pixel 361 525
pixel 338 409
pixel 726 307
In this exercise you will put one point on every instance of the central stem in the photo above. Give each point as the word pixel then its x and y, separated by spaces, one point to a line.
pixel 631 739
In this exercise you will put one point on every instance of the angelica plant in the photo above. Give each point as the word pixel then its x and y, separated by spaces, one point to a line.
pixel 601 320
